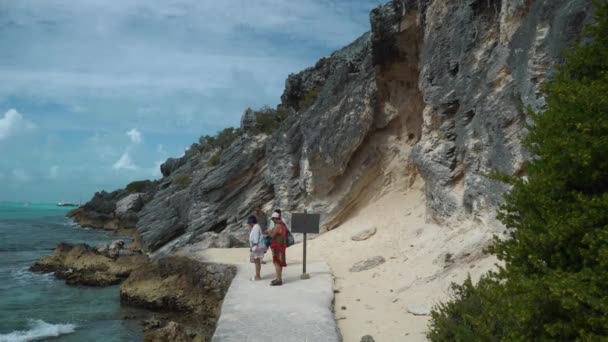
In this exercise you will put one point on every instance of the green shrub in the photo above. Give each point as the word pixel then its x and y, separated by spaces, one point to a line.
pixel 139 186
pixel 308 99
pixel 467 316
pixel 267 119
pixel 183 181
pixel 554 282
pixel 220 140
pixel 214 160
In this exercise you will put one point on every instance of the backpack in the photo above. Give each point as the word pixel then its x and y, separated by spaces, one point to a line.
pixel 290 240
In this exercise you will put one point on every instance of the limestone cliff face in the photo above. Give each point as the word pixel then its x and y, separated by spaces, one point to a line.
pixel 437 90
pixel 482 63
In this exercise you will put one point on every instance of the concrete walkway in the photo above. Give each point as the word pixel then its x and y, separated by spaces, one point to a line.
pixel 300 310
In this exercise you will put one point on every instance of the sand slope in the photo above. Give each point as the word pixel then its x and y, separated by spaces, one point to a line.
pixel 417 271
pixel 422 259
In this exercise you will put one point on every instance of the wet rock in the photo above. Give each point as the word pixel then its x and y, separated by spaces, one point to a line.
pixel 177 284
pixel 364 235
pixel 367 264
pixel 188 292
pixel 171 331
pixel 152 323
pixel 117 244
pixel 81 264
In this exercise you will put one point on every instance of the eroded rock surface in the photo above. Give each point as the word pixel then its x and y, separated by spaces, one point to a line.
pixel 188 292
pixel 81 264
pixel 437 91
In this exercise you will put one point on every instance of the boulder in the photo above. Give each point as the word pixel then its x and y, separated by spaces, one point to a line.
pixel 117 244
pixel 364 235
pixel 418 309
pixel 367 338
pixel 367 264
pixel 172 331
pixel 171 165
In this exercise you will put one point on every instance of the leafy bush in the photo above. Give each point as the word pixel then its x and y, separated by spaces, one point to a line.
pixel 554 282
pixel 214 160
pixel 308 99
pixel 139 186
pixel 267 119
pixel 467 317
pixel 220 140
pixel 183 181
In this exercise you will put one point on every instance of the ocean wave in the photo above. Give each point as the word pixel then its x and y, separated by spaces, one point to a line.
pixel 38 329
pixel 24 276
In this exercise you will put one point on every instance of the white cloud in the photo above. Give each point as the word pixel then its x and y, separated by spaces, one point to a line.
pixel 20 175
pixel 53 172
pixel 142 60
pixel 13 123
pixel 161 149
pixel 135 135
pixel 125 163
pixel 155 170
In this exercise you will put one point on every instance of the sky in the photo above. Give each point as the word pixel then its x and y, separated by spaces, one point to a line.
pixel 95 94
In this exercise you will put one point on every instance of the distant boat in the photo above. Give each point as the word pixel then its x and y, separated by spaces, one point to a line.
pixel 66 204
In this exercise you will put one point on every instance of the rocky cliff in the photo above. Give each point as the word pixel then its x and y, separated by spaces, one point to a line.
pixel 437 92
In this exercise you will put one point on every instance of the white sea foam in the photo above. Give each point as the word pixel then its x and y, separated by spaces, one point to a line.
pixel 38 329
pixel 23 275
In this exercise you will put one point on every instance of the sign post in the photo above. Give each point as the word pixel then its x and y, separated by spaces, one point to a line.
pixel 305 223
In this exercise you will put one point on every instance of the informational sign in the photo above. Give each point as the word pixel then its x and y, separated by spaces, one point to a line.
pixel 305 223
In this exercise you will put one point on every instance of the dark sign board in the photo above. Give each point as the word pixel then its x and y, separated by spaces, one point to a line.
pixel 305 223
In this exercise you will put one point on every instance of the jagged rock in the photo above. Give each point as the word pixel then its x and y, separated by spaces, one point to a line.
pixel 172 331
pixel 474 110
pixel 171 165
pixel 418 310
pixel 132 202
pixel 103 247
pixel 189 292
pixel 177 284
pixel 117 244
pixel 115 211
pixel 217 200
pixel 114 248
pixel 436 91
pixel 248 120
pixel 151 323
pixel 81 264
pixel 367 338
pixel 367 264
pixel 364 235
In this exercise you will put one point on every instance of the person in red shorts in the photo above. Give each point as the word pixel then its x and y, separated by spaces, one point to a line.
pixel 278 245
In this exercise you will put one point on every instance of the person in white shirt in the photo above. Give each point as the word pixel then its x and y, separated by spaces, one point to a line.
pixel 257 245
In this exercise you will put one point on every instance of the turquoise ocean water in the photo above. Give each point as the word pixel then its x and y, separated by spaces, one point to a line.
pixel 37 307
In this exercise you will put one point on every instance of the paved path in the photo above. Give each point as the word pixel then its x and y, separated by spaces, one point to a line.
pixel 300 310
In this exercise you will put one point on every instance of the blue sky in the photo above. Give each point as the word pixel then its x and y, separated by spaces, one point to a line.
pixel 95 94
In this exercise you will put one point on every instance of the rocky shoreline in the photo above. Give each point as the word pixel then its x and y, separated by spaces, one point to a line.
pixel 187 296
pixel 184 297
pixel 81 264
